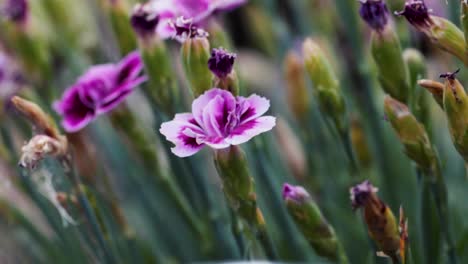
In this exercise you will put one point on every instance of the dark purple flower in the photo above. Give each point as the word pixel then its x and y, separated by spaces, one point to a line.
pixel 221 62
pixel 361 193
pixel 16 10
pixel 416 13
pixel 197 10
pixel 375 13
pixel 144 20
pixel 98 91
pixel 218 119
pixel 295 193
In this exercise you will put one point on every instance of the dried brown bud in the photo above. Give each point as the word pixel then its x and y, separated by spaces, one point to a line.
pixel 41 121
pixel 435 88
pixel 38 148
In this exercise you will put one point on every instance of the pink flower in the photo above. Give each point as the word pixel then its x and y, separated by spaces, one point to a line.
pixel 98 91
pixel 218 119
pixel 197 10
pixel 296 194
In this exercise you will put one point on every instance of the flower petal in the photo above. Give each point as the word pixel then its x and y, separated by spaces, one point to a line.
pixel 252 107
pixel 76 115
pixel 118 95
pixel 183 132
pixel 202 101
pixel 129 68
pixel 248 130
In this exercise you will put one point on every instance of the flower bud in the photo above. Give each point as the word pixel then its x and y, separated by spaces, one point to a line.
pixel 310 221
pixel 456 109
pixel 195 55
pixel 435 88
pixel 380 221
pixel 296 87
pixel 411 133
pixel 326 85
pixel 221 64
pixel 16 11
pixel 441 31
pixel 238 184
pixel 386 49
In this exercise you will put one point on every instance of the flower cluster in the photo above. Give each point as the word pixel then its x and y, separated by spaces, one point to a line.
pixel 218 120
pixel 98 91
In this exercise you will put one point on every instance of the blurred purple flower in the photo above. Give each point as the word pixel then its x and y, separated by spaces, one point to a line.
pixel 374 13
pixel 361 193
pixel 221 62
pixel 11 77
pixel 143 20
pixel 197 10
pixel 98 91
pixel 295 193
pixel 16 10
pixel 218 119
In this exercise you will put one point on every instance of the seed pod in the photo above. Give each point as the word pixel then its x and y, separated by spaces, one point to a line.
pixel 308 217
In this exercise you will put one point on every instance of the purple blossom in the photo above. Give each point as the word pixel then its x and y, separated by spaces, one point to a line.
pixel 98 91
pixel 417 14
pixel 221 62
pixel 295 193
pixel 16 10
pixel 197 10
pixel 218 120
pixel 374 13
pixel 144 21
pixel 361 193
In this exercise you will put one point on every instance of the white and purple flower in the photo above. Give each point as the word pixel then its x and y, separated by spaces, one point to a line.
pixel 218 120
pixel 98 91
pixel 196 10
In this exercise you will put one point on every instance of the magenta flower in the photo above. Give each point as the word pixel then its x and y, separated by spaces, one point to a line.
pixel 16 10
pixel 98 91
pixel 218 119
pixel 197 10
pixel 374 13
pixel 361 193
pixel 221 62
pixel 296 194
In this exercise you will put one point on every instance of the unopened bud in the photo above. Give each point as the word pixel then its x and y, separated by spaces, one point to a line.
pixel 326 84
pixel 310 221
pixel 456 109
pixel 221 64
pixel 441 31
pixel 41 122
pixel 435 88
pixel 296 87
pixel 388 57
pixel 411 133
pixel 195 55
pixel 380 221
